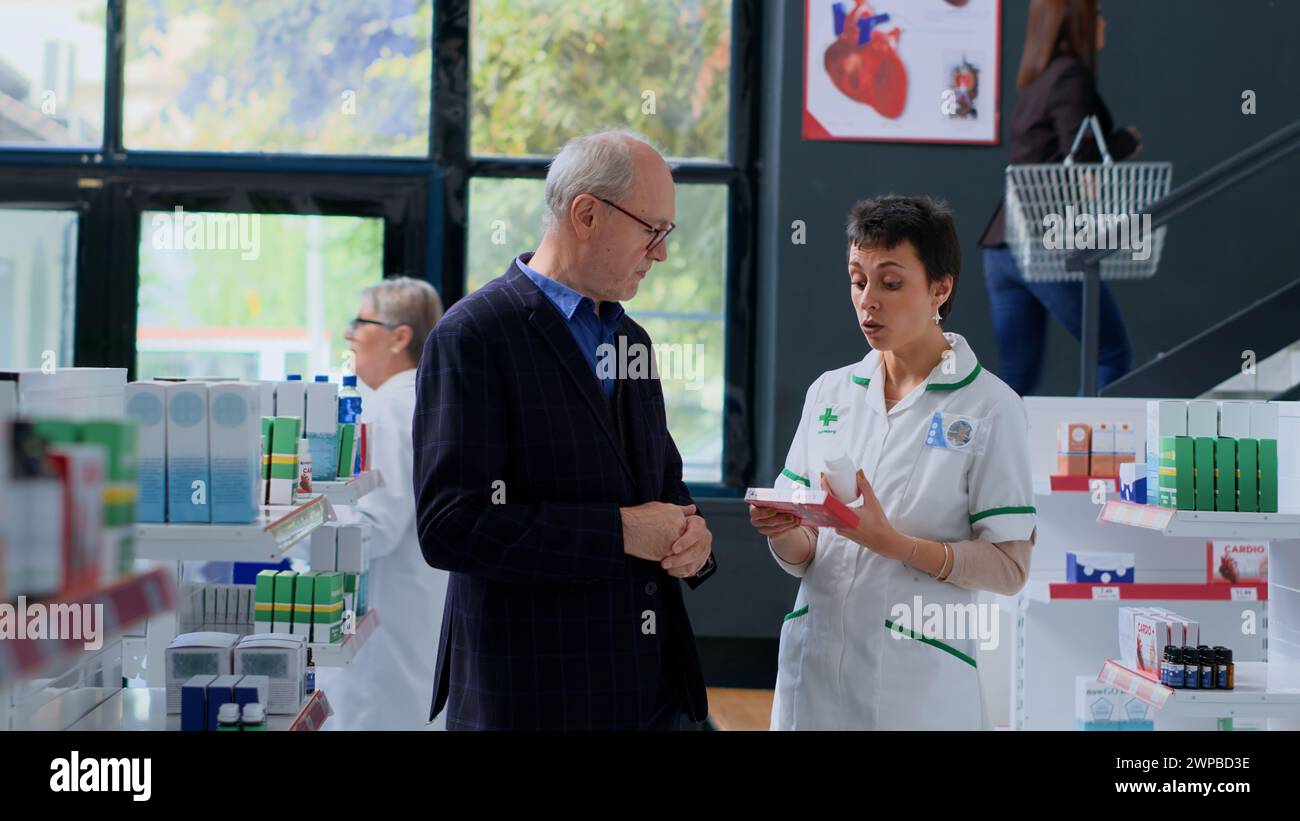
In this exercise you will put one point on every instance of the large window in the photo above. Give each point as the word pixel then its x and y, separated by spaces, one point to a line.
pixel 51 73
pixel 289 76
pixel 542 72
pixel 38 251
pixel 314 146
pixel 253 296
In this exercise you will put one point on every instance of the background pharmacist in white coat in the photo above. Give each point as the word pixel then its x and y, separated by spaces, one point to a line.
pixel 944 499
pixel 387 685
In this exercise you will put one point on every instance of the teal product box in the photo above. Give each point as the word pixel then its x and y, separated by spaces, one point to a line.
pixel 320 428
pixel 146 403
pixel 187 453
pixel 235 444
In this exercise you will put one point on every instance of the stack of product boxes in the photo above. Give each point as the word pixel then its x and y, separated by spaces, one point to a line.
pixel 1206 455
pixel 305 605
pixel 200 450
pixel 1145 632
pixel 67 480
pixel 1086 449
pixel 225 659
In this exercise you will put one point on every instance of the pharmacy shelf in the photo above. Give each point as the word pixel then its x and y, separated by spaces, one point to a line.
pixel 126 603
pixel 1056 483
pixel 145 709
pixel 1140 591
pixel 348 491
pixel 278 528
pixel 341 653
pixel 1202 524
pixel 1250 698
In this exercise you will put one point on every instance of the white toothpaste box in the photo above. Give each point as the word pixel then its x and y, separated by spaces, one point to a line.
pixel 146 403
pixel 266 392
pixel 1165 417
pixel 1264 419
pixel 291 399
pixel 187 453
pixel 1202 418
pixel 321 429
pixel 324 548
pixel 1234 419
pixel 1126 444
pixel 235 436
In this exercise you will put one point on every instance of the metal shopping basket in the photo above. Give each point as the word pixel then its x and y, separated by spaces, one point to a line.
pixel 1110 197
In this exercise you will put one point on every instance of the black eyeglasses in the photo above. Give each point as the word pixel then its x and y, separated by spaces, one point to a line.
pixel 658 235
pixel 356 320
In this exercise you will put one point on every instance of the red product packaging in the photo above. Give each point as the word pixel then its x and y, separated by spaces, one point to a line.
pixel 815 508
pixel 1236 562
pixel 81 470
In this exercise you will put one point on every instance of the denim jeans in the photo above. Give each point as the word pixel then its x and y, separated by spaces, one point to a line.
pixel 1020 312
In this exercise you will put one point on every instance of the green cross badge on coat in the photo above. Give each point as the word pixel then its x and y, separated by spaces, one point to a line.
pixel 828 417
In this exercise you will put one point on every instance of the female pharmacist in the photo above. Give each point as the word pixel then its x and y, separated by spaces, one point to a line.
pixel 387 685
pixel 945 501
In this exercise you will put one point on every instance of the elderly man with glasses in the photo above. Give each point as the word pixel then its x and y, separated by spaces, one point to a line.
pixel 550 488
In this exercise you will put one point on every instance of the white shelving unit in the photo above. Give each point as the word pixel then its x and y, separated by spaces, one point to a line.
pixel 341 653
pixel 277 529
pixel 348 491
pixel 145 708
pixel 1203 524
pixel 1254 696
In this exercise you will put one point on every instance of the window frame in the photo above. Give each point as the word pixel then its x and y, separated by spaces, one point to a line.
pixel 424 201
pixel 738 172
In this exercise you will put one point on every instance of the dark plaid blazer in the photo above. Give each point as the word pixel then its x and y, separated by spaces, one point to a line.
pixel 548 624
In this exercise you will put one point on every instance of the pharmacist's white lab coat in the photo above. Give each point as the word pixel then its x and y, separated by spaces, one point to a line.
pixel 387 685
pixel 848 658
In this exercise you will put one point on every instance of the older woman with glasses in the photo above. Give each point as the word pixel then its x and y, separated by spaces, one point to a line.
pixel 387 686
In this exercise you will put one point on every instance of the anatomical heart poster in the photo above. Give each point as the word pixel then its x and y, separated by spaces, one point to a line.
pixel 902 70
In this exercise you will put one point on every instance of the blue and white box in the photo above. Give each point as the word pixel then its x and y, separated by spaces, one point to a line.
pixel 1133 482
pixel 146 403
pixel 187 453
pixel 220 691
pixel 1099 568
pixel 1099 706
pixel 320 428
pixel 235 437
pixel 194 703
pixel 252 690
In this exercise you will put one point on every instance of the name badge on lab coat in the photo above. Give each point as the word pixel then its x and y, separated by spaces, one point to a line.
pixel 952 431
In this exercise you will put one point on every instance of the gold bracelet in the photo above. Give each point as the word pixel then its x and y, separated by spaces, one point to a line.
pixel 948 561
pixel 944 566
pixel 913 556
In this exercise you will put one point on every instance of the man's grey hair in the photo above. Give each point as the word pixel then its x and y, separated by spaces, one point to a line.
pixel 599 163
pixel 406 301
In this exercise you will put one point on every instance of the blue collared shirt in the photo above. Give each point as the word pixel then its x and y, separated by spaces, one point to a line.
pixel 589 329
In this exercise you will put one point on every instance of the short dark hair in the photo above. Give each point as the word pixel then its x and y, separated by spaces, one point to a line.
pixel 885 222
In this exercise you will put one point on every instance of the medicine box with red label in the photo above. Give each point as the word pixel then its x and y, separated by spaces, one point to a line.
pixel 1154 634
pixel 1236 562
pixel 815 508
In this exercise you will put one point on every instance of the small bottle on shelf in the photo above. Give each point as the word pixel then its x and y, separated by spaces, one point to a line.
pixel 254 717
pixel 1227 672
pixel 1191 668
pixel 228 717
pixel 1209 675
